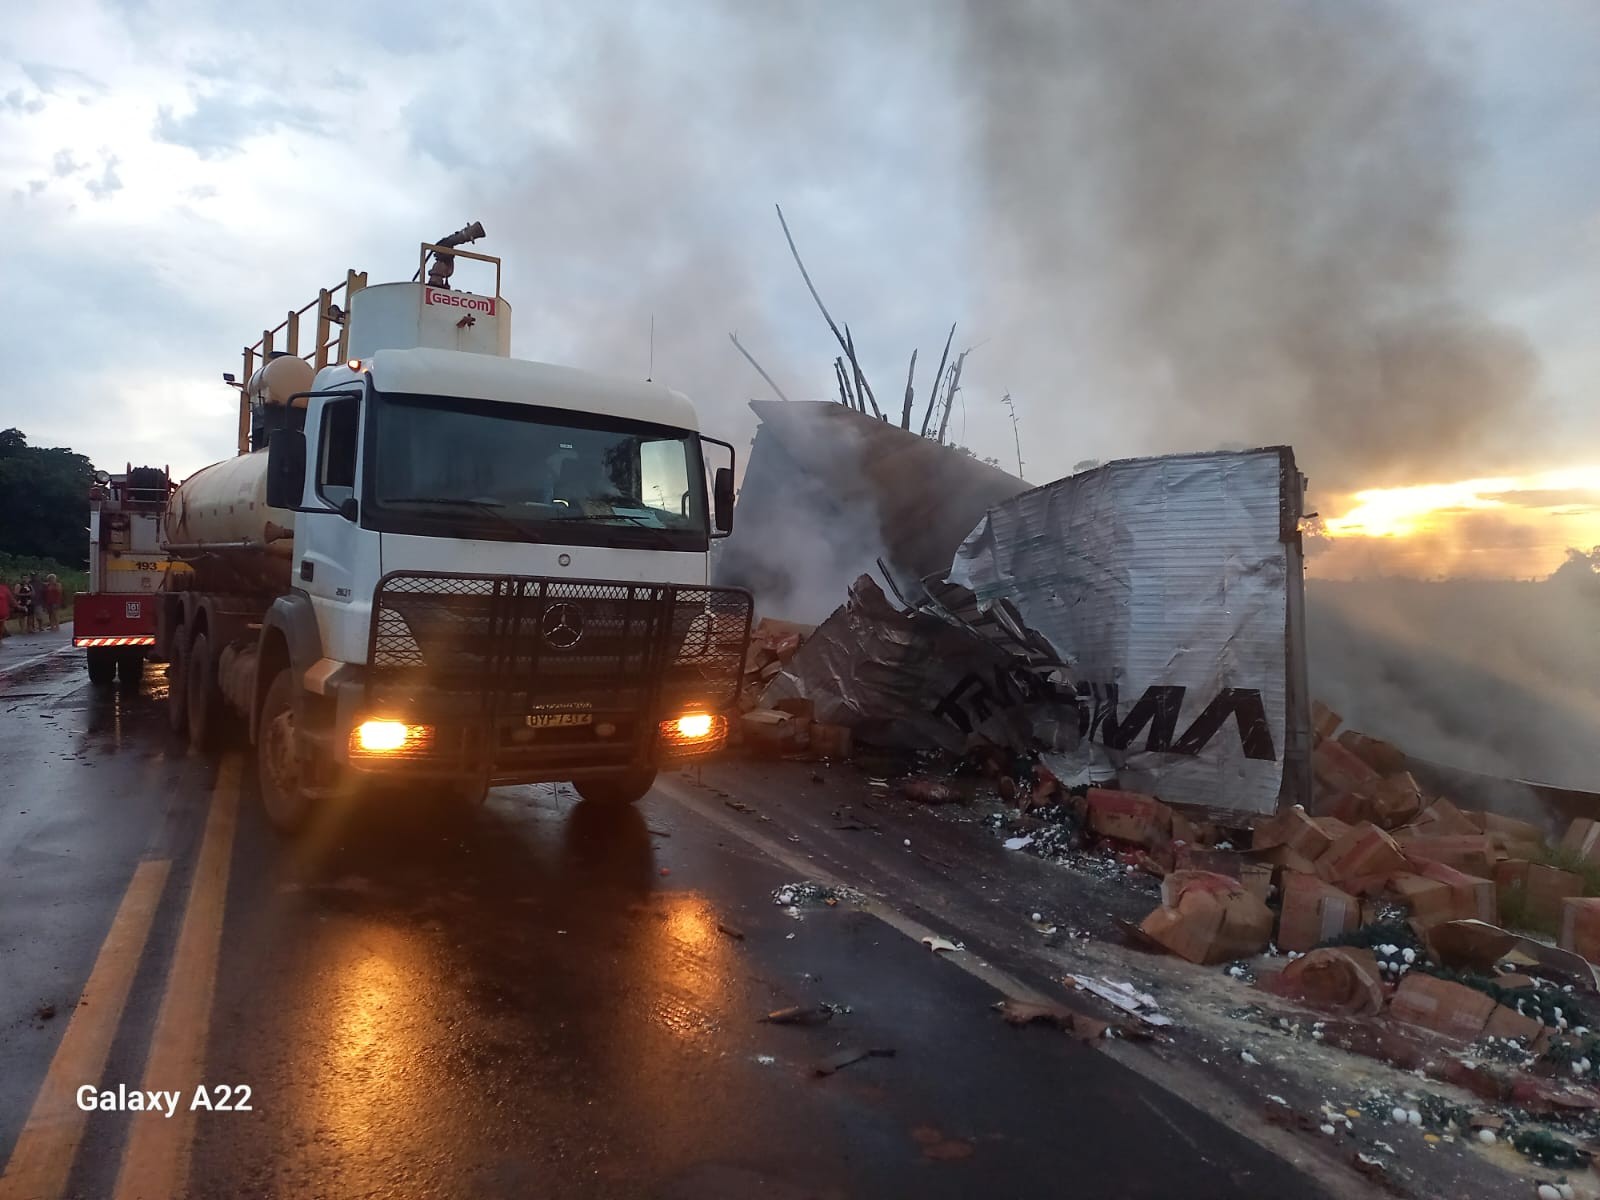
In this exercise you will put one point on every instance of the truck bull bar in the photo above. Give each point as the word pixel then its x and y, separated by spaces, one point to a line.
pixel 518 674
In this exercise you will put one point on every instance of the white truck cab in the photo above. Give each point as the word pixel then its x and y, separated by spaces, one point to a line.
pixel 466 567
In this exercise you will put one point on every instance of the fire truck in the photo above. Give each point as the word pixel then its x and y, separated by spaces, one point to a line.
pixel 115 620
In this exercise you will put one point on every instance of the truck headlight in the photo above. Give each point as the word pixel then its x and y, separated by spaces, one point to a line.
pixel 379 738
pixel 694 733
pixel 694 726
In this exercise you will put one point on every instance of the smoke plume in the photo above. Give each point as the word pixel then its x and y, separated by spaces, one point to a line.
pixel 1238 221
pixel 1494 676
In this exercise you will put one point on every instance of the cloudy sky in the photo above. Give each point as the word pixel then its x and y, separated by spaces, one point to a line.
pixel 1369 229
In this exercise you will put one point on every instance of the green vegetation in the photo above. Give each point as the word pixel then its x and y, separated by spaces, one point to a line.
pixel 1567 860
pixel 73 579
pixel 44 494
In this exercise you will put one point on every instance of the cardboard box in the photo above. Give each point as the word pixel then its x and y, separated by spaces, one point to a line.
pixel 1473 853
pixel 1583 839
pixel 1441 819
pixel 1340 979
pixel 1128 816
pixel 1338 770
pixel 770 729
pixel 1538 889
pixel 1471 898
pixel 1201 858
pixel 1313 912
pixel 1512 831
pixel 1324 721
pixel 1351 808
pixel 830 741
pixel 1399 800
pixel 1307 836
pixel 1451 1009
pixel 1428 900
pixel 1580 926
pixel 1257 879
pixel 1470 945
pixel 1285 858
pixel 1509 1023
pixel 1362 849
pixel 1208 918
pixel 1383 757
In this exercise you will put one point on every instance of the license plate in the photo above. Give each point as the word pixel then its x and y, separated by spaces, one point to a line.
pixel 558 720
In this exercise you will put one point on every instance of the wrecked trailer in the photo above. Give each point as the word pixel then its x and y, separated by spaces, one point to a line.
pixel 1174 587
pixel 1142 620
pixel 909 679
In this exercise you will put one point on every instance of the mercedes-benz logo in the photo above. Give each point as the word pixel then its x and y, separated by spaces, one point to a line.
pixel 562 626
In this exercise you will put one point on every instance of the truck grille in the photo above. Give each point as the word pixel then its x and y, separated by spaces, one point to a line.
pixel 574 645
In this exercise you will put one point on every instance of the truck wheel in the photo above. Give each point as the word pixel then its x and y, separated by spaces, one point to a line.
pixel 617 789
pixel 102 665
pixel 130 667
pixel 277 762
pixel 204 696
pixel 178 683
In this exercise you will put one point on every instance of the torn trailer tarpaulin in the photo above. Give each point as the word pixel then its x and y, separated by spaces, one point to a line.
pixel 1173 588
pixel 913 680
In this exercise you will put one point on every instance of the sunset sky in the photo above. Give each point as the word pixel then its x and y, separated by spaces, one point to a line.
pixel 1367 229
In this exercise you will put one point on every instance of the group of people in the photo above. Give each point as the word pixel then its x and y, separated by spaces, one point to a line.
pixel 34 602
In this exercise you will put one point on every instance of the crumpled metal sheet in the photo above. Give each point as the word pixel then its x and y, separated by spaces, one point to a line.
pixel 1165 583
pixel 912 680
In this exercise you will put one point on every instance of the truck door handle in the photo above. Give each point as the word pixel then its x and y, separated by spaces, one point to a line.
pixel 307 569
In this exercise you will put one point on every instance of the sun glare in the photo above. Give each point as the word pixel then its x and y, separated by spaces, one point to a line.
pixel 1399 512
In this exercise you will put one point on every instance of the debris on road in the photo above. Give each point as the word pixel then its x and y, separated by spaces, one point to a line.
pixel 808 892
pixel 1122 995
pixel 1079 1025
pixel 844 1058
pixel 936 944
pixel 732 931
pixel 800 1014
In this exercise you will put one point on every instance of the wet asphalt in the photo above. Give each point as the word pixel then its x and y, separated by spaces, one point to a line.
pixel 537 998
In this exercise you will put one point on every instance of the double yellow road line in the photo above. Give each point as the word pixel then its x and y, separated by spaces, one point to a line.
pixel 155 1162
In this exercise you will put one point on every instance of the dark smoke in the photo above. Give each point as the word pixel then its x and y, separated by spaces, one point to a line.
pixel 1239 221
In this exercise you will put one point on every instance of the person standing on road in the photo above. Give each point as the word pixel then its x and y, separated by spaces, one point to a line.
pixel 24 602
pixel 5 607
pixel 52 601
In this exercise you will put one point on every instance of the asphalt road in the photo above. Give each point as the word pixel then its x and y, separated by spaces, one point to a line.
pixel 533 999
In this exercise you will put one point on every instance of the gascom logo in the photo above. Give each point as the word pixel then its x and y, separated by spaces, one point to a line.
pixel 483 304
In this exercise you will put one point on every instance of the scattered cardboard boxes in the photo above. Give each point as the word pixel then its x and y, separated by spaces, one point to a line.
pixel 1360 851
pixel 1452 1010
pixel 1208 918
pixel 1314 912
pixel 1128 817
pixel 1580 926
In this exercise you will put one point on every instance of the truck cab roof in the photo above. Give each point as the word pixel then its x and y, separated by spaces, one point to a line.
pixel 518 381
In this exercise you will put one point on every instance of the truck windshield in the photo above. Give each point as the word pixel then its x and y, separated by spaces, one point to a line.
pixel 519 472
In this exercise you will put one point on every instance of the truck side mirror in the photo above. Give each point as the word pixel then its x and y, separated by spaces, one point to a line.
pixel 286 469
pixel 722 498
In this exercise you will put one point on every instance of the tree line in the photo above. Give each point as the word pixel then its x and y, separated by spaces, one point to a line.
pixel 44 501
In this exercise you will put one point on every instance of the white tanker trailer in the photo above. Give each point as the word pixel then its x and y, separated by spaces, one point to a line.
pixel 433 559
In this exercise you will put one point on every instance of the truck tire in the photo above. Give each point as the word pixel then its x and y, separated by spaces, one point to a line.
pixel 205 702
pixel 277 763
pixel 178 682
pixel 130 667
pixel 102 665
pixel 618 789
